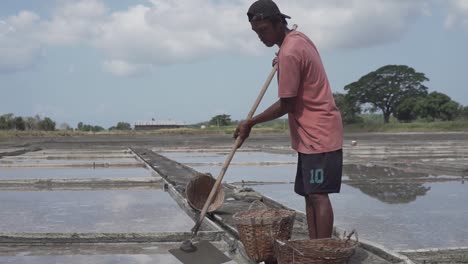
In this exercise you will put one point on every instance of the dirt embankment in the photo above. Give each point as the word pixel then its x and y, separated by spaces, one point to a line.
pixel 223 139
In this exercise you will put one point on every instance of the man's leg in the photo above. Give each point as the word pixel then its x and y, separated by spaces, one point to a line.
pixel 319 216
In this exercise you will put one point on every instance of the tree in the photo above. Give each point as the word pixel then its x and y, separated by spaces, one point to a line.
pixel 97 128
pixel 438 106
pixel 349 110
pixel 32 123
pixel 123 126
pixel 47 124
pixel 449 111
pixel 407 110
pixel 7 121
pixel 464 112
pixel 221 120
pixel 19 123
pixel 89 128
pixel 65 126
pixel 387 87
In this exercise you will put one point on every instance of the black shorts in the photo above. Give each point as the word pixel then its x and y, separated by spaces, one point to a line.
pixel 319 173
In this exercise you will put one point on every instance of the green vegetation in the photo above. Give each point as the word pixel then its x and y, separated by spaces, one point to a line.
pixel 389 99
pixel 121 126
pixel 464 113
pixel 371 123
pixel 418 126
pixel 387 87
pixel 47 124
pixel 437 106
pixel 88 128
pixel 3 135
pixel 374 123
pixel 349 109
pixel 10 122
pixel 220 120
pixel 65 126
pixel 397 92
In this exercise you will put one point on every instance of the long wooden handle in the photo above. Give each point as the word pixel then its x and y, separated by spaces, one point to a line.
pixel 228 160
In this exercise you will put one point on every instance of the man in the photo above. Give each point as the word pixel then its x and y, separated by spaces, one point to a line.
pixel 314 120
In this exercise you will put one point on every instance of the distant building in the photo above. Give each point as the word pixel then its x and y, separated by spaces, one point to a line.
pixel 158 124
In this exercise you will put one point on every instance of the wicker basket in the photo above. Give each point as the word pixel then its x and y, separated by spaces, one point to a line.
pixel 258 229
pixel 316 251
pixel 198 190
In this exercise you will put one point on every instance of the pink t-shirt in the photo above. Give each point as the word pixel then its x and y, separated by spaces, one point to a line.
pixel 315 126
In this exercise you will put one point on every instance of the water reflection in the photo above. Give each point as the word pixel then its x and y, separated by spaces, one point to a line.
pixel 420 224
pixel 104 253
pixel 73 173
pixel 393 193
pixel 386 184
pixel 277 173
pixel 22 162
pixel 199 158
pixel 77 259
pixel 389 185
pixel 91 211
pixel 394 207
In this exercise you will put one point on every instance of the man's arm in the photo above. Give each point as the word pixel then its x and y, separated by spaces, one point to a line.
pixel 276 110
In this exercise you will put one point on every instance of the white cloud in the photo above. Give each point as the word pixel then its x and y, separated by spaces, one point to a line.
pixel 462 5
pixel 73 22
pixel 450 21
pixel 458 14
pixel 88 9
pixel 354 24
pixel 122 68
pixel 18 49
pixel 24 19
pixel 175 31
pixel 166 31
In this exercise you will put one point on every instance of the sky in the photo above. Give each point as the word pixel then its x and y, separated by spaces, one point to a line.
pixel 101 61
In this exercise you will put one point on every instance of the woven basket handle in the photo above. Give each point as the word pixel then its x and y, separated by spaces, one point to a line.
pixel 348 237
pixel 283 244
pixel 258 203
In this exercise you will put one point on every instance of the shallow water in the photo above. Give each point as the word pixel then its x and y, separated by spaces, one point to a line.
pixel 398 209
pixel 73 173
pixel 56 158
pixel 437 219
pixel 23 162
pixel 94 151
pixel 91 211
pixel 220 157
pixel 124 253
pixel 95 259
pixel 276 173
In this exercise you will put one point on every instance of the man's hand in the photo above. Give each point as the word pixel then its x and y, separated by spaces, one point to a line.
pixel 243 131
pixel 275 60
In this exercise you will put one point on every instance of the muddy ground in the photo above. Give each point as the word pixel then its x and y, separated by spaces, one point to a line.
pixel 211 140
pixel 437 153
pixel 223 139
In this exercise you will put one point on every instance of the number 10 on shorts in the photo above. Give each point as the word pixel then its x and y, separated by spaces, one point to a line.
pixel 316 176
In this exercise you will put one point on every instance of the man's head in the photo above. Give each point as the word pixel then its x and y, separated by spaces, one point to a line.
pixel 267 21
